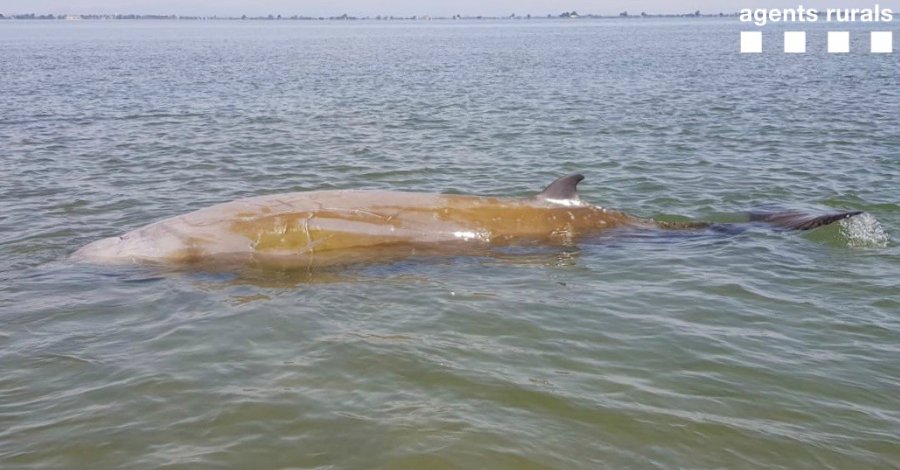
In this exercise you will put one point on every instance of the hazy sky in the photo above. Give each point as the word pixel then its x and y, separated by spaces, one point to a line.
pixel 409 7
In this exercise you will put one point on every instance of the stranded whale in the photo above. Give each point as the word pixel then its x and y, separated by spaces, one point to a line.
pixel 328 227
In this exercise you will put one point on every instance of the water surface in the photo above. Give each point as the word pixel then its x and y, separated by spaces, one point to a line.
pixel 632 350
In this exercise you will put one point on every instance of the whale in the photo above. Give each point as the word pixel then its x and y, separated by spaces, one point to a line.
pixel 329 227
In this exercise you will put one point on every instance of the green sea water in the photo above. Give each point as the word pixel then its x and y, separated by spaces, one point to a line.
pixel 762 349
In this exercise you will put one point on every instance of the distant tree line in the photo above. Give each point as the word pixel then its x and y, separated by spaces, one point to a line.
pixel 273 17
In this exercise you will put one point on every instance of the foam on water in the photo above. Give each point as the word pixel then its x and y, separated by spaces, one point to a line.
pixel 864 230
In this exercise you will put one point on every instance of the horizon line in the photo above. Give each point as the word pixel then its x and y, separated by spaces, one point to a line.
pixel 276 17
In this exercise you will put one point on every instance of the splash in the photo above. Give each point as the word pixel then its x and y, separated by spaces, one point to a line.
pixel 864 230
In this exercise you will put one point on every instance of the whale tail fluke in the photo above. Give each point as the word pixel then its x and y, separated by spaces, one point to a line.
pixel 799 220
pixel 780 220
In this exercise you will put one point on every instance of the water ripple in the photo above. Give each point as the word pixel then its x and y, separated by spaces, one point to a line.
pixel 634 349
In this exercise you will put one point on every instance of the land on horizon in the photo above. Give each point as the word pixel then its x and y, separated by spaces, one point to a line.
pixel 276 17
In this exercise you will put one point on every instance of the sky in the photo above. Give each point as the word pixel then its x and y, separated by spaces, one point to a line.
pixel 409 7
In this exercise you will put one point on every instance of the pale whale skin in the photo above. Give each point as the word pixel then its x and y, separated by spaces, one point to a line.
pixel 326 223
pixel 328 227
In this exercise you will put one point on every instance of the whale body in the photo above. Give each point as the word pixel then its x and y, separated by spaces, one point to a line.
pixel 334 226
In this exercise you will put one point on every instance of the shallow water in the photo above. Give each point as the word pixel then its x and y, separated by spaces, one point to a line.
pixel 632 350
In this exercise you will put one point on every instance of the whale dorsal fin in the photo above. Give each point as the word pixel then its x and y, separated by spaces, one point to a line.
pixel 563 189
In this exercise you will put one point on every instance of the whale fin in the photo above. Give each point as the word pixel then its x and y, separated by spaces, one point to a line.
pixel 563 189
pixel 799 220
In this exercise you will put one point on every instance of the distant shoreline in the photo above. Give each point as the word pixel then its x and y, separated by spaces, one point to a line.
pixel 275 17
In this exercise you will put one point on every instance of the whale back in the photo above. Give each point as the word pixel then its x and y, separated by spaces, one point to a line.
pixel 362 218
pixel 307 224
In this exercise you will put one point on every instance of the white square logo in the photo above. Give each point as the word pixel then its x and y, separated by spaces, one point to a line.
pixel 882 42
pixel 838 42
pixel 751 42
pixel 795 42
